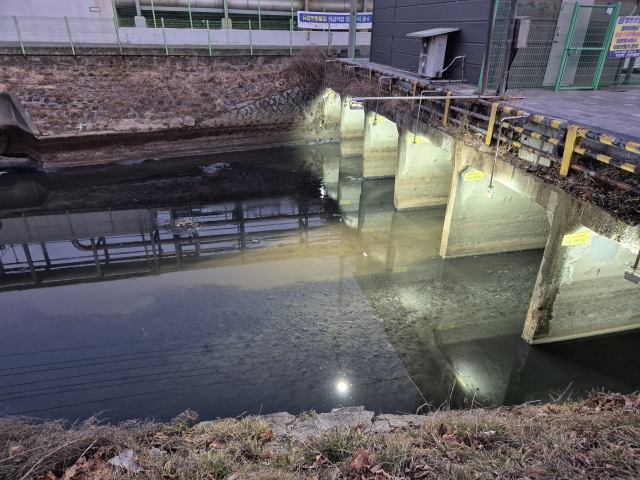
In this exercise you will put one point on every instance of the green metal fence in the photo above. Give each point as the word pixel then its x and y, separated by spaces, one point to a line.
pixel 547 61
pixel 171 36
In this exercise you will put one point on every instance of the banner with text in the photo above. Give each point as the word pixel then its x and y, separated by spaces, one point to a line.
pixel 626 38
pixel 337 21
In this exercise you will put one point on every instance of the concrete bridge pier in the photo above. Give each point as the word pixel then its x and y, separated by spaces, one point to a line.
pixel 380 155
pixel 477 225
pixel 351 129
pixel 332 109
pixel 424 170
pixel 581 290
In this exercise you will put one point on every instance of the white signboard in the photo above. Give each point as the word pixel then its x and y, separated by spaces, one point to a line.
pixel 335 21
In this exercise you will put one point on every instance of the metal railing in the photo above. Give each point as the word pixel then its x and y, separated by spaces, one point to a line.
pixel 482 116
pixel 540 64
pixel 163 36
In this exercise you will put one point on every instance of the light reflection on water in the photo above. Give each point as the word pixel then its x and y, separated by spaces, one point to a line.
pixel 291 298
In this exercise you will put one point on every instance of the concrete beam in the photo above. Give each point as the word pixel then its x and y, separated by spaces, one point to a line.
pixel 351 129
pixel 380 156
pixel 424 169
pixel 477 225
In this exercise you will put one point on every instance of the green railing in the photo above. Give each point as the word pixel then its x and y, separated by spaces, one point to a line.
pixel 171 36
pixel 540 62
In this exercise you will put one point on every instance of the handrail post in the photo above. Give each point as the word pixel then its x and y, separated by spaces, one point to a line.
pixel 153 12
pixel 415 88
pixel 73 50
pixel 329 40
pixel 250 39
pixel 605 47
pixel 208 37
pixel 15 21
pixel 492 122
pixel 115 24
pixel 115 13
pixel 447 104
pixel 190 17
pixel 164 36
pixel 569 156
pixel 259 17
pixel 355 36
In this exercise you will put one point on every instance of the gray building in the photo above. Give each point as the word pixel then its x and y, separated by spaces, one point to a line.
pixel 394 19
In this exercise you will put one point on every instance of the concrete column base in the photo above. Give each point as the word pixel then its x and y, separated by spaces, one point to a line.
pixel 380 155
pixel 581 289
pixel 332 109
pixel 351 129
pixel 424 170
pixel 140 22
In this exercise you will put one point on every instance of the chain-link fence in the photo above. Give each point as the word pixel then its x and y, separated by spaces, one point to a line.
pixel 170 36
pixel 539 63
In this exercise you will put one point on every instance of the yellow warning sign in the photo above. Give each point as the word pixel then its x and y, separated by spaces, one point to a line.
pixel 413 140
pixel 447 326
pixel 472 176
pixel 367 230
pixel 345 202
pixel 376 119
pixel 575 239
pixel 331 94
pixel 328 181
pixel 400 270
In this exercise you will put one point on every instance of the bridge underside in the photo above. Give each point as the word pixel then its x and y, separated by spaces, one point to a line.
pixel 580 288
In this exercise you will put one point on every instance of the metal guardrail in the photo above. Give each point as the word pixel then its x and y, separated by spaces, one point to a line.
pixel 571 143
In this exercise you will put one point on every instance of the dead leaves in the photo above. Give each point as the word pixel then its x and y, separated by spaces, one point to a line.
pixel 362 463
pixel 420 471
pixel 48 476
pixel 602 402
pixel 93 469
pixel 266 436
pixel 14 451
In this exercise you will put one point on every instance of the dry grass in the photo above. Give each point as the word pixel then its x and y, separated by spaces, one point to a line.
pixel 596 439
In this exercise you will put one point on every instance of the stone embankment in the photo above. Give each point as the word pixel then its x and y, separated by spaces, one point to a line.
pixel 98 107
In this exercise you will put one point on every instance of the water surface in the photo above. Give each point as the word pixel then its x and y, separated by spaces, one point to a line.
pixel 302 277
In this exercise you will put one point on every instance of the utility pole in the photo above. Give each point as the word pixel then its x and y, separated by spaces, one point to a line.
pixel 353 10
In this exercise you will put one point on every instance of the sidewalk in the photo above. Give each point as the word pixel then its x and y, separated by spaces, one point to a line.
pixel 615 111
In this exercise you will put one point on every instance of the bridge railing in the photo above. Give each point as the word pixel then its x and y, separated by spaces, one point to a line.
pixel 565 144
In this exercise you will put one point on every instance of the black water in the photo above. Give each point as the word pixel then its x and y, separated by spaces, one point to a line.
pixel 302 279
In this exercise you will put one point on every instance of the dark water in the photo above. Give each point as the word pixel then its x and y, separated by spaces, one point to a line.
pixel 302 278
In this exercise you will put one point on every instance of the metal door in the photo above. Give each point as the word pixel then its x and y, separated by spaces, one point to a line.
pixel 587 46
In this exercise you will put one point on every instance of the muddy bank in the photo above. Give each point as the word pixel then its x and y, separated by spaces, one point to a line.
pixel 94 110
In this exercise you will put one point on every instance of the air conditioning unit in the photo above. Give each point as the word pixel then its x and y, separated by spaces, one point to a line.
pixel 433 48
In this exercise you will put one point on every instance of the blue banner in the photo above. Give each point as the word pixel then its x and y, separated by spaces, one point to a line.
pixel 337 21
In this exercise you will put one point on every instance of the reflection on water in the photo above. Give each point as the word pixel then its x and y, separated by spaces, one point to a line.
pixel 302 289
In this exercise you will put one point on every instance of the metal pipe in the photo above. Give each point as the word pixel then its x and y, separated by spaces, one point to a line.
pixel 487 48
pixel 337 6
pixel 449 97
pixel 15 21
pixel 138 12
pixel 495 159
pixel 153 12
pixel 375 119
